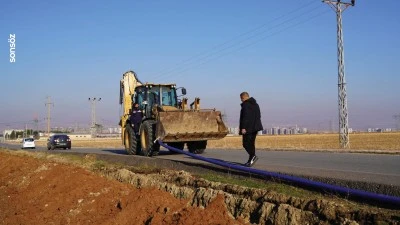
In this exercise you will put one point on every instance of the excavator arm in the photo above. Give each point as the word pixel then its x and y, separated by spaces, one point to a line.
pixel 128 84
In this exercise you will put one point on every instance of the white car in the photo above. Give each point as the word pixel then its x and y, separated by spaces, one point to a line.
pixel 28 143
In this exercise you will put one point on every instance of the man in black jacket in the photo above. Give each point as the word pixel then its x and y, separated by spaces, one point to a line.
pixel 136 118
pixel 250 124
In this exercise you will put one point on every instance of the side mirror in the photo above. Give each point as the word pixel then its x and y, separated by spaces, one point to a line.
pixel 184 91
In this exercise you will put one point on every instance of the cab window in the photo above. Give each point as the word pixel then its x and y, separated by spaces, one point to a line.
pixel 168 97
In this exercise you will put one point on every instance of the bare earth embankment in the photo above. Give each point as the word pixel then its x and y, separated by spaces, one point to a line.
pixel 42 191
pixel 42 188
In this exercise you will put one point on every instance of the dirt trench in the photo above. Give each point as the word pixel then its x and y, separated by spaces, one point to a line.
pixel 50 190
pixel 256 206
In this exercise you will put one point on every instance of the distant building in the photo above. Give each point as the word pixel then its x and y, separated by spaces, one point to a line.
pixel 233 130
pixel 350 130
pixel 379 130
pixel 284 131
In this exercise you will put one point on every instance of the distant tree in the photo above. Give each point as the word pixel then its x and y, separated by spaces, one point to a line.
pixel 19 134
pixel 99 128
pixel 36 135
pixel 61 132
pixel 12 136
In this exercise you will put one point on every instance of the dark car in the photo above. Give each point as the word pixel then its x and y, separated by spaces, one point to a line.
pixel 59 141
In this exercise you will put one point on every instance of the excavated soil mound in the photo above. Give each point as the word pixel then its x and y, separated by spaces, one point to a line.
pixel 41 188
pixel 34 191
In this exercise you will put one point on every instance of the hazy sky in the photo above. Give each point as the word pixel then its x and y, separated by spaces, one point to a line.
pixel 282 52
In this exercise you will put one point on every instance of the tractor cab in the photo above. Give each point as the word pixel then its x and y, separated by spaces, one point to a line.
pixel 164 97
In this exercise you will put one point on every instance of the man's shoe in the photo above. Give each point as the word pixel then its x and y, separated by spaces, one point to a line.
pixel 253 160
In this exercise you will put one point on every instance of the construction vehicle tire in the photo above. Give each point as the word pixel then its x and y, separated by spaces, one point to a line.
pixel 147 137
pixel 197 147
pixel 178 145
pixel 131 145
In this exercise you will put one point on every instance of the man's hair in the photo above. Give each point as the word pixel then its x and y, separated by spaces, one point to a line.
pixel 244 94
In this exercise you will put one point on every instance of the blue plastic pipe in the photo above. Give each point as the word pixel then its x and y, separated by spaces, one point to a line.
pixel 378 198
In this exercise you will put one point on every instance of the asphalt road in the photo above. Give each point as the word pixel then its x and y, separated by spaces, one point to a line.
pixel 356 167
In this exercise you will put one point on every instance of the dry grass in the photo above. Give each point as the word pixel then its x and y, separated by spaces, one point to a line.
pixel 359 141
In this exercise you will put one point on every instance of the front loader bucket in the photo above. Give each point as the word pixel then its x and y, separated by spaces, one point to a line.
pixel 181 126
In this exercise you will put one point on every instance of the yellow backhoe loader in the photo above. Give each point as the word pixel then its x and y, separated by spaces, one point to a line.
pixel 166 117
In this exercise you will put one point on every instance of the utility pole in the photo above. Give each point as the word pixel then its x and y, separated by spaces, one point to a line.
pixel 331 126
pixel 339 7
pixel 48 104
pixel 35 121
pixel 397 118
pixel 93 125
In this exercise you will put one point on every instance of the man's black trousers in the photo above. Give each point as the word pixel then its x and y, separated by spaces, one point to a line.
pixel 248 141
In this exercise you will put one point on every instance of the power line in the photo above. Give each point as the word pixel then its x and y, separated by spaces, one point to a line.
pixel 240 35
pixel 167 71
pixel 252 43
